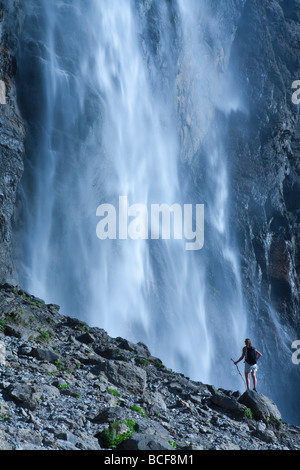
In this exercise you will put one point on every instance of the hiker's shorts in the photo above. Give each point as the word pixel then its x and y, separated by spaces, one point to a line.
pixel 249 368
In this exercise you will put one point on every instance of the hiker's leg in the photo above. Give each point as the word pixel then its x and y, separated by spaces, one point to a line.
pixel 253 373
pixel 247 376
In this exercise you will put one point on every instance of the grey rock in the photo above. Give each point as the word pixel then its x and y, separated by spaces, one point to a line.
pixel 67 436
pixel 124 375
pixel 16 331
pixel 72 391
pixel 45 355
pixel 228 446
pixel 29 437
pixel 156 402
pixel 261 426
pixel 26 395
pixel 66 445
pixel 90 359
pixel 140 348
pixel 48 367
pixel 4 409
pixel 108 415
pixel 86 338
pixel 4 444
pixel 267 436
pixel 87 442
pixel 263 407
pixel 25 350
pixel 50 392
pixel 145 442
pixel 228 403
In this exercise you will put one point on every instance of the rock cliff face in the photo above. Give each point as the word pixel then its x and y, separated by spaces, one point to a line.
pixel 263 144
pixel 66 386
pixel 11 135
pixel 264 147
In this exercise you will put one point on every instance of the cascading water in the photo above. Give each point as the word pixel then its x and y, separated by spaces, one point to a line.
pixel 129 101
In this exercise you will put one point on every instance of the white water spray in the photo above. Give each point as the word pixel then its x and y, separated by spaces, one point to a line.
pixel 123 110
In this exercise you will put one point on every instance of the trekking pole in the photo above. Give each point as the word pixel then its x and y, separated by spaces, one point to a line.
pixel 240 373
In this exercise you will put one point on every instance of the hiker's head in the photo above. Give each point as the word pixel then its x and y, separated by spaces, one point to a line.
pixel 248 343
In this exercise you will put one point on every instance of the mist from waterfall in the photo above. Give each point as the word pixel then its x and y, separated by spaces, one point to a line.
pixel 133 102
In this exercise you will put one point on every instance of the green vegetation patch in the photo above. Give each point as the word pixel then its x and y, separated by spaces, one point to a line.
pixel 112 436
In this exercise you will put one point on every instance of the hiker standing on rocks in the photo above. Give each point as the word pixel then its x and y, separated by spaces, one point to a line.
pixel 251 356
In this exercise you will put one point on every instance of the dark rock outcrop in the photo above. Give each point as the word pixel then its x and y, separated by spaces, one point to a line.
pixel 26 395
pixel 123 374
pixel 12 134
pixel 263 145
pixel 263 407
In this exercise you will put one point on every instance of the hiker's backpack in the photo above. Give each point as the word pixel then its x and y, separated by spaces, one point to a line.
pixel 250 357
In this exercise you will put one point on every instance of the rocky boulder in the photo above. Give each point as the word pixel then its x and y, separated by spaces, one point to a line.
pixel 26 395
pixel 262 406
pixel 45 355
pixel 145 442
pixel 229 403
pixel 124 375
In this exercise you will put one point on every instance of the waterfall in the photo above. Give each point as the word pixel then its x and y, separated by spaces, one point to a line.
pixel 132 102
